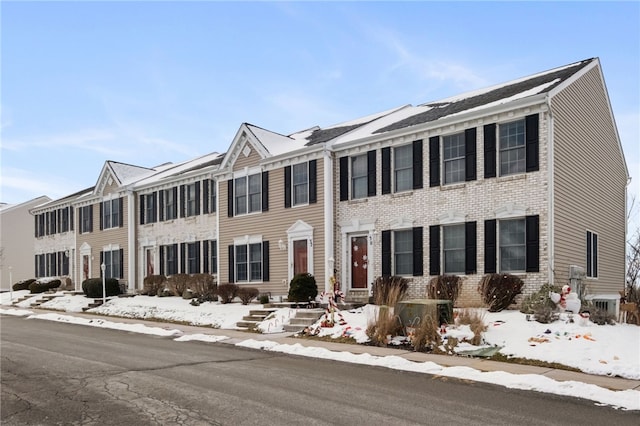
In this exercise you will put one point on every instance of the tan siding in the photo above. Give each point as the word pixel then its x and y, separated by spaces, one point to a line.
pixel 590 182
pixel 252 160
pixel 273 225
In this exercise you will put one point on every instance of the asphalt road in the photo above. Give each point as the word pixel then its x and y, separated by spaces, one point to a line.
pixel 66 374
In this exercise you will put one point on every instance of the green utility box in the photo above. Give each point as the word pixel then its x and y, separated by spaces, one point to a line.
pixel 411 312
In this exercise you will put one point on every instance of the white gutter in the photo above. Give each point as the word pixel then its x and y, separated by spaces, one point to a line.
pixel 328 219
pixel 131 239
pixel 551 199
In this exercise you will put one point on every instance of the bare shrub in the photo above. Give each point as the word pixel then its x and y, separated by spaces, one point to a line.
pixel 389 290
pixel 178 283
pixel 385 325
pixel 152 283
pixel 426 335
pixel 444 287
pixel 204 287
pixel 476 320
pixel 498 291
pixel 247 294
pixel 227 292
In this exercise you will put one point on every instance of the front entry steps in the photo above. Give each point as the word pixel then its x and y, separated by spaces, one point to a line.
pixel 255 317
pixel 304 318
pixel 94 304
pixel 43 299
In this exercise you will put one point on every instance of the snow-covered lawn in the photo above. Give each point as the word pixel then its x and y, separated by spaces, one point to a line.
pixel 611 350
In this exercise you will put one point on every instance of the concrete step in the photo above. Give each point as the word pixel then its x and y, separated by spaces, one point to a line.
pixel 250 325
pixel 310 313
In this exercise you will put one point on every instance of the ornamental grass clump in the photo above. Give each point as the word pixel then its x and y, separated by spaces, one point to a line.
pixel 445 287
pixel 389 290
pixel 498 291
pixel 386 326
pixel 476 320
pixel 426 334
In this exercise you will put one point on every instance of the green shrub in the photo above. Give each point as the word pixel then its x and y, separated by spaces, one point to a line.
pixel 227 292
pixel 247 294
pixel 389 290
pixel 23 285
pixel 92 287
pixel 498 291
pixel 264 299
pixel 151 284
pixel 303 288
pixel 539 300
pixel 445 287
pixel 45 285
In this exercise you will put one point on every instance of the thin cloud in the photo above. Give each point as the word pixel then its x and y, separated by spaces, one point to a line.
pixel 18 185
pixel 88 140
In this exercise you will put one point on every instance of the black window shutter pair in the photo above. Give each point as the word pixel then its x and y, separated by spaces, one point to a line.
pixel 470 249
pixel 418 266
pixel 532 239
pixel 265 262
pixel 531 141
pixel 313 184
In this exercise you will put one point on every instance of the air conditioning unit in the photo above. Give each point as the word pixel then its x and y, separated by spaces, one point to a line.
pixel 411 312
pixel 606 302
pixel 576 272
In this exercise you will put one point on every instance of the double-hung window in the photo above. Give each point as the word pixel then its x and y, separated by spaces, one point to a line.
pixel 112 262
pixel 512 240
pixel 512 147
pixel 592 255
pixel 248 194
pixel 248 259
pixel 300 183
pixel 193 258
pixel 453 249
pixel 149 208
pixel 191 200
pixel 403 168
pixel 86 219
pixel 169 259
pixel 359 176
pixel 211 256
pixel 170 204
pixel 210 199
pixel 64 219
pixel 453 158
pixel 403 252
pixel 111 214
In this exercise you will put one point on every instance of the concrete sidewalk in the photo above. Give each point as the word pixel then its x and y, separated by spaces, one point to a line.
pixel 236 336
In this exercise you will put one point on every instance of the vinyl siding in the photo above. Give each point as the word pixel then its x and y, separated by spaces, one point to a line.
pixel 273 225
pixel 590 180
pixel 242 161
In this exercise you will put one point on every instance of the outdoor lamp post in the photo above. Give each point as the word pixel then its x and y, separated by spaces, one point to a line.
pixel 104 292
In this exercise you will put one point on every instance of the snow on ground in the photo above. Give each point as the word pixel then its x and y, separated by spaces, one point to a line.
pixel 611 350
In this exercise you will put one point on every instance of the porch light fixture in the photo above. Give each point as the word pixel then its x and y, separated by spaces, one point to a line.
pixel 282 245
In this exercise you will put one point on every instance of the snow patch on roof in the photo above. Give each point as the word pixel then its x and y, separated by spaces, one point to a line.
pixel 275 143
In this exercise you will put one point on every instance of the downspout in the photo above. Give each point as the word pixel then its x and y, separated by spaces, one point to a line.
pixel 131 240
pixel 550 177
pixel 328 219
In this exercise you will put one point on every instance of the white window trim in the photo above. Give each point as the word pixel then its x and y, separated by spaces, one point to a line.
pixel 498 253
pixel 300 231
pixel 394 183
pixel 293 186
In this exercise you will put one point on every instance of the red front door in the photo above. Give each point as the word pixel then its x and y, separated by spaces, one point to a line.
pixel 300 261
pixel 359 262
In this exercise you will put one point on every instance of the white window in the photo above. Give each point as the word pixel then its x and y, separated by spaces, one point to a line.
pixel 191 200
pixel 113 267
pixel 359 176
pixel 592 255
pixel 111 214
pixel 453 249
pixel 86 222
pixel 512 243
pixel 248 262
pixel 512 148
pixel 212 196
pixel 248 194
pixel 149 208
pixel 453 158
pixel 403 252
pixel 170 259
pixel 169 200
pixel 403 168
pixel 300 183
pixel 193 259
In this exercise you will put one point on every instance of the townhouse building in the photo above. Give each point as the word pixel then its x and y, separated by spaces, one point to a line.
pixel 526 177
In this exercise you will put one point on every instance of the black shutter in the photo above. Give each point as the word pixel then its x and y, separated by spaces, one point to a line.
pixel 344 178
pixel 470 154
pixel 205 255
pixel 265 261
pixel 206 209
pixel 35 229
pixel 589 252
pixel 287 187
pixel 418 266
pixel 386 253
pixel 265 191
pixel 434 250
pixel 198 244
pixel 121 211
pixel 142 218
pixel 121 263
pixel 183 258
pixel 594 247
pixel 230 199
pixel 313 181
pixel 417 164
pixel 470 248
pixel 181 203
pixel 161 205
pixel 101 211
pixel 91 218
pixel 490 151
pixel 490 246
pixel 71 218
pixel 371 173
pixel 386 170
pixel 175 201
pixel 531 129
pixel 434 161
pixel 154 213
pixel 532 235
pixel 197 185
pixel 232 265
pixel 162 272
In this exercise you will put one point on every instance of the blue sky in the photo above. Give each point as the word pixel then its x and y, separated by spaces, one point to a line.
pixel 151 82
